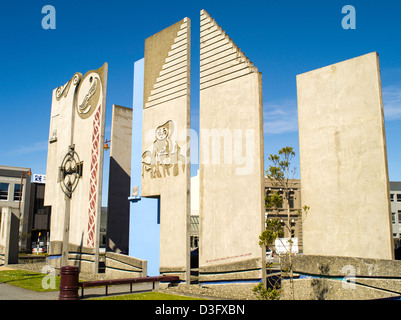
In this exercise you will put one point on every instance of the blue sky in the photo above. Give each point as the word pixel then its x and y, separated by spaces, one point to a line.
pixel 282 38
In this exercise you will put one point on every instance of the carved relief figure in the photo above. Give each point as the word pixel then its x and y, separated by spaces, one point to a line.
pixel 164 156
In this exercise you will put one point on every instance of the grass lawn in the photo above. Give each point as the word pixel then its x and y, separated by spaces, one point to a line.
pixel 148 296
pixel 28 280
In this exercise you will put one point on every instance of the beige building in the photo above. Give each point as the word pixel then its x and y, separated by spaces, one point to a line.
pixel 15 189
pixel 295 205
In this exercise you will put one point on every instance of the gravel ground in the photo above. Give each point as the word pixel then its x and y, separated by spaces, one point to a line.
pixel 218 291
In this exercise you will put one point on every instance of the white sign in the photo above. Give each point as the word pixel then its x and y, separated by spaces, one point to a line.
pixel 283 245
pixel 39 178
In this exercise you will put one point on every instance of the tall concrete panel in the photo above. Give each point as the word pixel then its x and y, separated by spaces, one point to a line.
pixel 9 236
pixel 75 169
pixel 165 142
pixel 231 160
pixel 343 160
pixel 119 180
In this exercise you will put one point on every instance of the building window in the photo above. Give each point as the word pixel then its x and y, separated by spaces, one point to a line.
pixel 4 191
pixel 393 217
pixel 18 191
pixel 194 242
pixel 291 199
pixel 399 216
pixel 271 193
pixel 398 197
pixel 392 197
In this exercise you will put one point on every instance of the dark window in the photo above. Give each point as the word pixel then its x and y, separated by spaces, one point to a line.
pixel 398 197
pixel 194 242
pixel 291 200
pixel 4 191
pixel 18 192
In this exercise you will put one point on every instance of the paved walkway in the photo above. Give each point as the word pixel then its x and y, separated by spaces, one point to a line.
pixel 10 292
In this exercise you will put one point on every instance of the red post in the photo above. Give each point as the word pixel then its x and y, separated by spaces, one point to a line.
pixel 69 278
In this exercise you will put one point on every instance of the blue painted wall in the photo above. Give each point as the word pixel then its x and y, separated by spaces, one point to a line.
pixel 144 231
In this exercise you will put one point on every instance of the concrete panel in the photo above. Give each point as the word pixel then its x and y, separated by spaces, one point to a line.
pixel 343 160
pixel 60 137
pixel 119 180
pixel 343 278
pixel 165 142
pixel 9 236
pixel 231 163
pixel 123 266
pixel 75 164
pixel 329 289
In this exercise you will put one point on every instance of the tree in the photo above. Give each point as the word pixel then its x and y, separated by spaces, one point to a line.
pixel 279 172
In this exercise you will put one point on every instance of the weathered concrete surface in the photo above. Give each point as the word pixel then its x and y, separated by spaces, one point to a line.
pixel 119 180
pixel 165 141
pixel 343 160
pixel 123 266
pixel 9 235
pixel 231 156
pixel 77 123
pixel 328 289
pixel 336 266
pixel 244 269
pixel 343 278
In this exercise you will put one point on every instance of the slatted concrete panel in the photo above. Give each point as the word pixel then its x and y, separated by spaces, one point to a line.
pixel 231 160
pixel 165 143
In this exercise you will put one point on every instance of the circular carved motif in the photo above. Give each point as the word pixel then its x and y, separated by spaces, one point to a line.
pixel 70 172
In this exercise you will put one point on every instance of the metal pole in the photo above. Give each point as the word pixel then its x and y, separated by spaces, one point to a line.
pixel 20 194
pixel 66 232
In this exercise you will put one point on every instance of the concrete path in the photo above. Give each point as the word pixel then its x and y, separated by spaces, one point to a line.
pixel 10 292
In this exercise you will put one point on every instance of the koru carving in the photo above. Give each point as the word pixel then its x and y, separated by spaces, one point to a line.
pixel 165 157
pixel 63 90
pixel 89 99
pixel 70 171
